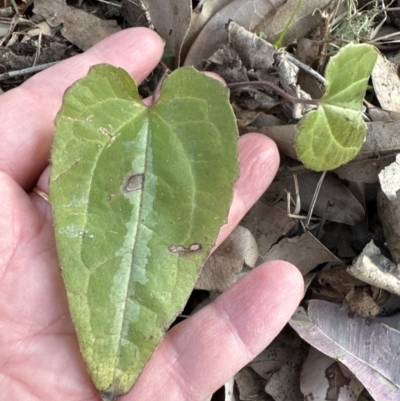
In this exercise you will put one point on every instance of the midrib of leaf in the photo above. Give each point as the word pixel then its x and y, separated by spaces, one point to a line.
pixel 129 281
pixel 140 225
pixel 341 110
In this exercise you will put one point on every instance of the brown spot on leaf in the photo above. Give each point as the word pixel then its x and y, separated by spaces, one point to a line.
pixel 182 250
pixel 134 182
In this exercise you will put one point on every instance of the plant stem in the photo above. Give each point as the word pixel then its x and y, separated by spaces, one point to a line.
pixel 276 88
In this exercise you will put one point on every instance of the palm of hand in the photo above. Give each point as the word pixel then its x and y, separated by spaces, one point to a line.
pixel 40 357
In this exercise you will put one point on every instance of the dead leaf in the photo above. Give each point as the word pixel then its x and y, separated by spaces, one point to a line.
pixel 223 266
pixel 276 354
pixel 22 55
pixel 255 53
pixel 171 20
pixel 305 252
pixel 79 27
pixel 368 349
pixel 386 84
pixel 285 384
pixel 364 171
pixel 306 19
pixel 335 201
pixel 339 285
pixel 389 213
pixel 324 379
pixel 391 315
pixel 308 52
pixel 382 115
pixel 21 4
pixel 282 135
pixel 335 283
pixel 247 13
pixel 135 13
pixel 244 117
pixel 267 223
pixel 390 179
pixel 361 302
pixel 245 57
pixel 288 73
pixel 251 387
pixel 373 268
pixel 339 238
pixel 199 19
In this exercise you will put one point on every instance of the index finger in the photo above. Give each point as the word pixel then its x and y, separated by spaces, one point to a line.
pixel 27 112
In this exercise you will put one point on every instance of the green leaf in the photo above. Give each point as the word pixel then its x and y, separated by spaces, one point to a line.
pixel 139 195
pixel 333 134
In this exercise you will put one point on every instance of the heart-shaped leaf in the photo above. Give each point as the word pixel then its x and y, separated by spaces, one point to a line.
pixel 333 134
pixel 139 195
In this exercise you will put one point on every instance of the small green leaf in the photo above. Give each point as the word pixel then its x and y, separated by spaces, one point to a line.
pixel 333 134
pixel 139 195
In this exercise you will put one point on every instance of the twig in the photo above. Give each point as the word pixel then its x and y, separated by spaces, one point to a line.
pixel 314 199
pixel 28 70
pixel 276 88
pixel 305 68
pixel 110 3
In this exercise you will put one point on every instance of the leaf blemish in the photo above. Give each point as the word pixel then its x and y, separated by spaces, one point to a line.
pixel 134 182
pixel 104 131
pixel 182 250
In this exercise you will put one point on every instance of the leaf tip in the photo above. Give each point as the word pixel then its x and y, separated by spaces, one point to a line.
pixel 110 395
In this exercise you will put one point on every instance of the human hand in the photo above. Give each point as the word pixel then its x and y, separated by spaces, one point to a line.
pixel 40 358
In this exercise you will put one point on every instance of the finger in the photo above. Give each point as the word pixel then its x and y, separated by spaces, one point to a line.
pixel 200 354
pixel 26 140
pixel 258 163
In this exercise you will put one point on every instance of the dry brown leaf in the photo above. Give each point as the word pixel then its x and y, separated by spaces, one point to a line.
pixel 386 116
pixel 390 179
pixel 338 285
pixel 250 386
pixel 365 301
pixel 389 214
pixel 305 252
pixel 171 20
pixel 224 265
pixel 284 385
pixel 306 19
pixel 386 84
pixel 282 135
pixel 199 19
pixel 247 13
pixel 244 117
pixel 373 268
pixel 255 53
pixel 276 354
pixel 79 27
pixel 368 349
pixel 335 283
pixel 22 55
pixel 365 171
pixel 267 223
pixel 323 378
pixel 21 4
pixel 288 73
pixel 335 201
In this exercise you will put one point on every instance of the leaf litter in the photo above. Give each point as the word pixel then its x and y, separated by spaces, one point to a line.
pixel 337 241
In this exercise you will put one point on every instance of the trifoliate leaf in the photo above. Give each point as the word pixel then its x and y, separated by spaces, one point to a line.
pixel 333 134
pixel 139 195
